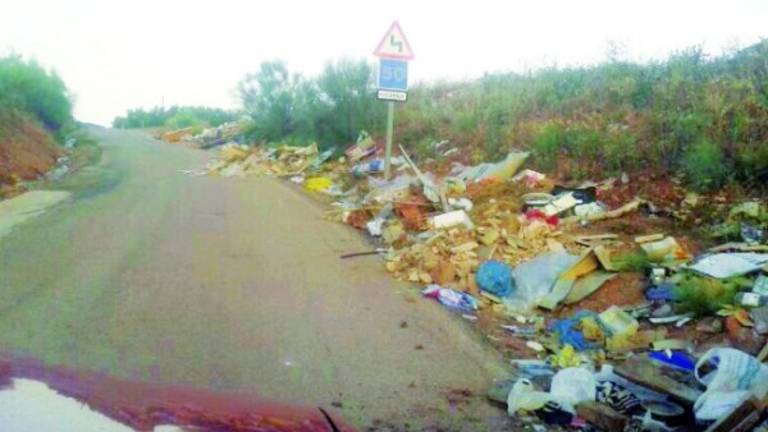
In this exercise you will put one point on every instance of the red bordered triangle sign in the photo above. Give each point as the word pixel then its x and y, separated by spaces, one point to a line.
pixel 394 44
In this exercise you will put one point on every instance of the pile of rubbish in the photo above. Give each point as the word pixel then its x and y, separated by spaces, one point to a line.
pixel 177 135
pixel 210 137
pixel 237 160
pixel 612 327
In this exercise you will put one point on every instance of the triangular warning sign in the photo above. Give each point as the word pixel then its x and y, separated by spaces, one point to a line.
pixel 394 44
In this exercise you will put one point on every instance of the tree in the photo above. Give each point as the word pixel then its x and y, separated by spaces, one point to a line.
pixel 268 97
pixel 348 88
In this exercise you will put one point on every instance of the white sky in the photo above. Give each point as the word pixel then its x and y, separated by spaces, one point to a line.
pixel 121 54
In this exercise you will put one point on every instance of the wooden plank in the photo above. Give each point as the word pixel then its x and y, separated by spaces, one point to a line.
pixel 644 371
pixel 602 416
pixel 742 419
pixel 649 238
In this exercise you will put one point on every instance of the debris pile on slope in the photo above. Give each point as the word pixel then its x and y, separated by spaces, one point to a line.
pixel 210 137
pixel 177 135
pixel 626 326
pixel 235 160
pixel 219 135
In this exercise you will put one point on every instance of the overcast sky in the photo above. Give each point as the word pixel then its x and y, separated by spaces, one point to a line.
pixel 120 54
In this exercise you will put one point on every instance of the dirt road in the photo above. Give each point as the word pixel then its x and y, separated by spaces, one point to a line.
pixel 231 284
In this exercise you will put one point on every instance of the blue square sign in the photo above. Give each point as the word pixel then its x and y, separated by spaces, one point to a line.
pixel 393 74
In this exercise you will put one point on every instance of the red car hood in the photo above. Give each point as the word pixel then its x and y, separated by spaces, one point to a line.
pixel 145 405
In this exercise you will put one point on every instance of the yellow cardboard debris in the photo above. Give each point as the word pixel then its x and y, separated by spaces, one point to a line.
pixel 318 184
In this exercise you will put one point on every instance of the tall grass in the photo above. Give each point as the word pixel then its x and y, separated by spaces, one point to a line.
pixel 703 118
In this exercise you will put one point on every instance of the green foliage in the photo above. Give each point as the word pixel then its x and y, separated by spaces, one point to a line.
pixel 268 97
pixel 704 119
pixel 330 109
pixel 546 144
pixel 705 296
pixel 346 89
pixel 27 87
pixel 704 165
pixel 182 120
pixel 175 117
pixel 632 262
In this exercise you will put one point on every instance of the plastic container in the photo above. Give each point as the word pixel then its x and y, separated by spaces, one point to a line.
pixel 618 322
pixel 751 299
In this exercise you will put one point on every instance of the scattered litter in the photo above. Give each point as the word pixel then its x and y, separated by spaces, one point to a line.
pixel 495 278
pixel 451 298
pixel 579 275
pixel 726 265
pixel 452 219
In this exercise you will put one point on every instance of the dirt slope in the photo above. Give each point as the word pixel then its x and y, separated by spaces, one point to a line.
pixel 26 149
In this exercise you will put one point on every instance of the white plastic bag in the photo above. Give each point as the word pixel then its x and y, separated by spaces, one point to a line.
pixel 738 376
pixel 534 278
pixel 571 386
pixel 524 396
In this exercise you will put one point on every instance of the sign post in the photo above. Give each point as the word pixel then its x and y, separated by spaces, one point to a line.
pixel 388 148
pixel 393 51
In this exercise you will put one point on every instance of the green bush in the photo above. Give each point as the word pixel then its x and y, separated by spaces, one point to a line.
pixel 546 144
pixel 330 109
pixel 182 120
pixel 27 87
pixel 704 165
pixel 175 117
pixel 705 118
pixel 706 296
pixel 268 96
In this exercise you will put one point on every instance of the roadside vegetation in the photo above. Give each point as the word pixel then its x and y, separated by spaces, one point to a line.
pixel 702 119
pixel 175 117
pixel 330 109
pixel 35 121
pixel 29 90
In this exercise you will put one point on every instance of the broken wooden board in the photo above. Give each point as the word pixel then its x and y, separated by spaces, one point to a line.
pixel 649 238
pixel 742 419
pixel 740 247
pixel 644 371
pixel 591 240
pixel 763 353
pixel 604 256
pixel 602 416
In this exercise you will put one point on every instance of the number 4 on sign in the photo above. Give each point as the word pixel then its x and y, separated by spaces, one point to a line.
pixel 394 44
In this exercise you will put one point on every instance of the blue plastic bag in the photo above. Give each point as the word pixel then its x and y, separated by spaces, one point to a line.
pixel 495 277
pixel 568 333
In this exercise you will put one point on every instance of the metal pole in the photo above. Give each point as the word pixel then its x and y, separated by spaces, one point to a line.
pixel 388 148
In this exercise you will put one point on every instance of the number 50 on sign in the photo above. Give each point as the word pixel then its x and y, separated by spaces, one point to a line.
pixel 393 74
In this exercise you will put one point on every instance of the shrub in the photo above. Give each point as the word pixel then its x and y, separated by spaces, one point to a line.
pixel 27 87
pixel 330 109
pixel 706 296
pixel 703 117
pixel 174 117
pixel 182 120
pixel 546 144
pixel 704 165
